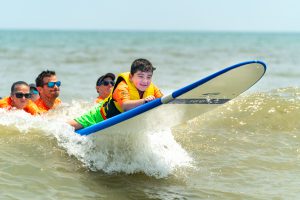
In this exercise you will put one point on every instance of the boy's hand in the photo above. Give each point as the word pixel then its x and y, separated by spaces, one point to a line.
pixel 149 98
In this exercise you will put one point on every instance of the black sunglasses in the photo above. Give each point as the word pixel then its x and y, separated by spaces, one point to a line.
pixel 21 95
pixel 106 83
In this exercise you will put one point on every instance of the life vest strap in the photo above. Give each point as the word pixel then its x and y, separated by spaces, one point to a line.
pixel 102 112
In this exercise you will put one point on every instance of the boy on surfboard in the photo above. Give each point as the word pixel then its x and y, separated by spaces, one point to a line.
pixel 132 89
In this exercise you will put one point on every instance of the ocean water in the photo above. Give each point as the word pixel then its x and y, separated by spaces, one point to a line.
pixel 245 149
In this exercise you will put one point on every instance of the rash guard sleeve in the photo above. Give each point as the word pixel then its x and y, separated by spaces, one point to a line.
pixel 91 117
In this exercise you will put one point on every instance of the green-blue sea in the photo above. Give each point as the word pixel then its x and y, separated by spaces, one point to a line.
pixel 245 149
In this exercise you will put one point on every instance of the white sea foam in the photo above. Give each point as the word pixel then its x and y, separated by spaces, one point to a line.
pixel 154 153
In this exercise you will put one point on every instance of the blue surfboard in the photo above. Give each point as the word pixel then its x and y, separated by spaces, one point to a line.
pixel 185 103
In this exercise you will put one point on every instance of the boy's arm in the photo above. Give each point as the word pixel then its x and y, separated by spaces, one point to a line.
pixel 89 118
pixel 157 92
pixel 75 124
pixel 130 104
pixel 121 95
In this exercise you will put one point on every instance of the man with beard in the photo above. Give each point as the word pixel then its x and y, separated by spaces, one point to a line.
pixel 48 87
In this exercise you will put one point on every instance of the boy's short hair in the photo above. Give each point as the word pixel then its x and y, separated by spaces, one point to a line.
pixel 14 85
pixel 141 64
pixel 39 80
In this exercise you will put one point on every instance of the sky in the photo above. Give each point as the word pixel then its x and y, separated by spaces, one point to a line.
pixel 152 15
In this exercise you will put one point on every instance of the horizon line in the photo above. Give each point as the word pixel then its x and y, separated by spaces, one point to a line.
pixel 146 30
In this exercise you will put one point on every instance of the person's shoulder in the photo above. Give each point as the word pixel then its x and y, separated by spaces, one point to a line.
pixel 5 102
pixel 32 108
pixel 154 86
pixel 41 105
pixel 157 92
pixel 4 99
pixel 121 91
pixel 38 101
pixel 122 86
pixel 32 104
pixel 57 101
pixel 99 100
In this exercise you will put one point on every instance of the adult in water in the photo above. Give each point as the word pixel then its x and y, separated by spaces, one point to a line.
pixel 104 86
pixel 19 99
pixel 49 89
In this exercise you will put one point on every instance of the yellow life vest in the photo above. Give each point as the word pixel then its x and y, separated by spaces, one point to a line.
pixel 111 107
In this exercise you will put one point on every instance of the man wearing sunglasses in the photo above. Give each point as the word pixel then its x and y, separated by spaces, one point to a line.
pixel 48 87
pixel 104 86
pixel 19 99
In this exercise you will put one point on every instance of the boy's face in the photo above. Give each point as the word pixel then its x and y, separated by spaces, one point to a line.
pixel 141 80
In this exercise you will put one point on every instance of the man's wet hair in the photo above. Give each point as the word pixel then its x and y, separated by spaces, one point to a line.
pixel 39 80
pixel 15 84
pixel 141 64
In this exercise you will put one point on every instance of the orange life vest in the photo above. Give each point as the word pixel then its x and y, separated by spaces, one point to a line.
pixel 43 107
pixel 30 107
pixel 98 100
